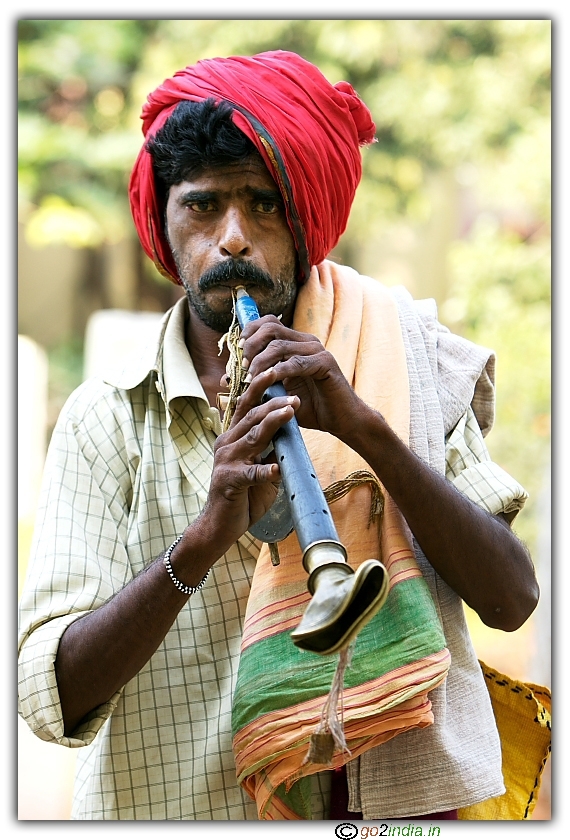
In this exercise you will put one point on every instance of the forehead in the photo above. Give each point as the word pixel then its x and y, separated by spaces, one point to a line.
pixel 252 173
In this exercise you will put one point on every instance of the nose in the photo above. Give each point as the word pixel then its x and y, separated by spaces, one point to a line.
pixel 235 236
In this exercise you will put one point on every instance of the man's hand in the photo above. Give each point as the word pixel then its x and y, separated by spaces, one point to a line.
pixel 307 370
pixel 244 486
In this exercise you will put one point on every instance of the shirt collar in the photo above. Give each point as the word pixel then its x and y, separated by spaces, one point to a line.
pixel 167 356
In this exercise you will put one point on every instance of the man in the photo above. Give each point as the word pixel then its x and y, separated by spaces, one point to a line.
pixel 133 613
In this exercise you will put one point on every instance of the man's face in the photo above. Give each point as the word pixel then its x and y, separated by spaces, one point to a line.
pixel 227 227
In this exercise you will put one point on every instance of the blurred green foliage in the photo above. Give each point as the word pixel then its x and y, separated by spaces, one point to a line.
pixel 460 104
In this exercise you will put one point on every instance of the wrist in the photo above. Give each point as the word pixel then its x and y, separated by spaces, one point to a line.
pixel 190 557
pixel 182 587
pixel 367 430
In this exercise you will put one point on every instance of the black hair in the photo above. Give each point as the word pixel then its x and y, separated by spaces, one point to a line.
pixel 197 136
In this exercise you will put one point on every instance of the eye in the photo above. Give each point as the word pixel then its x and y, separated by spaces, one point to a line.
pixel 267 207
pixel 204 206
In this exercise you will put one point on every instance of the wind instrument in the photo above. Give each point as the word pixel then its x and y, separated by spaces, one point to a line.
pixel 343 600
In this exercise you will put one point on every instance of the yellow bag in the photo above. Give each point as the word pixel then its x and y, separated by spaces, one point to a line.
pixel 523 715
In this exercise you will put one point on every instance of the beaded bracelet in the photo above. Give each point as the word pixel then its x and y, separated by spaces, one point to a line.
pixel 188 590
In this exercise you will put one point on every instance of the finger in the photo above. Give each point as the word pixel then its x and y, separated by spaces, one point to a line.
pixel 244 422
pixel 257 335
pixel 253 394
pixel 272 325
pixel 317 366
pixel 255 432
pixel 255 390
pixel 253 327
pixel 269 458
pixel 279 351
pixel 233 479
pixel 262 474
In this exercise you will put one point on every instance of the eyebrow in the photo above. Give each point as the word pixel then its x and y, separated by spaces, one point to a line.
pixel 197 195
pixel 256 193
pixel 267 195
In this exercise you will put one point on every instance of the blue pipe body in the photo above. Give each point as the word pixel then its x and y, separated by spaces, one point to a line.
pixel 310 512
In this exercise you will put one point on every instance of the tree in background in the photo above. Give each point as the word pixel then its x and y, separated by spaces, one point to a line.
pixel 454 200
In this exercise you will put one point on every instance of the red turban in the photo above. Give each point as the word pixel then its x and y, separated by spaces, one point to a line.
pixel 307 131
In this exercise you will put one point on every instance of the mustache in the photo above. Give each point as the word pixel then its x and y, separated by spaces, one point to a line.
pixel 231 269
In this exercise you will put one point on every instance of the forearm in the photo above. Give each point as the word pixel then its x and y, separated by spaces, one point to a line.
pixel 475 553
pixel 100 652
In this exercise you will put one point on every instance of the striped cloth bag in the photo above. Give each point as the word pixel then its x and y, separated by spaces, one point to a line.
pixel 400 655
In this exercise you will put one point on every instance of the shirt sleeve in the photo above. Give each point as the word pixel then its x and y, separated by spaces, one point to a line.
pixel 78 558
pixel 470 468
pixel 38 696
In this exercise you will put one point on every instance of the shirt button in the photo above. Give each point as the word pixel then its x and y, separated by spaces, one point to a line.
pixel 207 423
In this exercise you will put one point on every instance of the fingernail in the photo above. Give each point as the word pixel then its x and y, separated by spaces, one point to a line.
pixel 241 343
pixel 248 378
pixel 244 363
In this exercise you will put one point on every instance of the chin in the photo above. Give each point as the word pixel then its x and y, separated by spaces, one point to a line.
pixel 220 322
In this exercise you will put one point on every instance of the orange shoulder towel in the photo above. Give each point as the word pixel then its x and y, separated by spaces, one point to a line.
pixel 401 654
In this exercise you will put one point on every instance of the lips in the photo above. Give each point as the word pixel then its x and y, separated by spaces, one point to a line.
pixel 231 286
